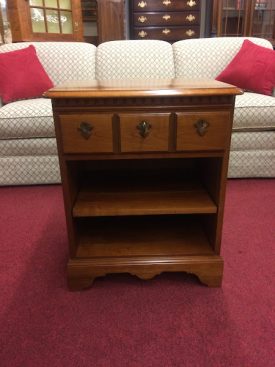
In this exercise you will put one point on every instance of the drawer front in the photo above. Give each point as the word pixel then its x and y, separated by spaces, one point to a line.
pixel 203 131
pixel 87 133
pixel 167 33
pixel 144 132
pixel 165 5
pixel 166 19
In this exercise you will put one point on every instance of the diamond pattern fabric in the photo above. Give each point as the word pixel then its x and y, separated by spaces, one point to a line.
pixel 263 140
pixel 29 170
pixel 253 139
pixel 28 147
pixel 59 59
pixel 27 138
pixel 207 57
pixel 252 163
pixel 254 111
pixel 134 59
pixel 27 119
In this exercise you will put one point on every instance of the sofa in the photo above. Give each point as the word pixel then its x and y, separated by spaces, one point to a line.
pixel 28 153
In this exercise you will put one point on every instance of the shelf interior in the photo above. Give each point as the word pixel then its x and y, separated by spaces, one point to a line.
pixel 142 194
pixel 145 236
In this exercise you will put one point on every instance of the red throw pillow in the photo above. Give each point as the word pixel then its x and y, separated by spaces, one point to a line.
pixel 253 69
pixel 22 75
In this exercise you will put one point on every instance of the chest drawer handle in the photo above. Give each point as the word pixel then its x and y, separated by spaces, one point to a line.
pixel 166 2
pixel 85 129
pixel 166 17
pixel 190 32
pixel 191 3
pixel 142 4
pixel 190 18
pixel 201 127
pixel 166 31
pixel 144 128
pixel 142 34
pixel 142 19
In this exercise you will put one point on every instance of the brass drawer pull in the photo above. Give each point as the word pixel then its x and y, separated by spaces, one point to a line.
pixel 85 129
pixel 144 128
pixel 201 127
pixel 190 32
pixel 142 34
pixel 166 31
pixel 166 2
pixel 190 17
pixel 142 4
pixel 166 17
pixel 142 19
pixel 191 3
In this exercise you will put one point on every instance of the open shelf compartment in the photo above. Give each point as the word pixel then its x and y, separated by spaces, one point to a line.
pixel 135 236
pixel 174 190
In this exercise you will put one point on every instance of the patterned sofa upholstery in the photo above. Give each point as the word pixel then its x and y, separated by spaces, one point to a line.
pixel 27 141
pixel 28 153
pixel 252 152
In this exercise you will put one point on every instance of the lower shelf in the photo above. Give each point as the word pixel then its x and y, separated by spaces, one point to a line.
pixel 142 236
pixel 144 246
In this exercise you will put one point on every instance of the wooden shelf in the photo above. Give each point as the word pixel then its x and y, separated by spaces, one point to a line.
pixel 143 197
pixel 142 236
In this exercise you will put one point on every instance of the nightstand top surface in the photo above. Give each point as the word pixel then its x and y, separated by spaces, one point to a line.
pixel 141 88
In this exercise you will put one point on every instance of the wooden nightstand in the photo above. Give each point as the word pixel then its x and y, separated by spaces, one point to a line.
pixel 144 166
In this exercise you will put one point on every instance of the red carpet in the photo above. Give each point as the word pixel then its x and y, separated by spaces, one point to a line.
pixel 170 321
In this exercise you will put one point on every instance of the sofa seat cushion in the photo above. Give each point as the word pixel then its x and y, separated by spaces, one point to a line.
pixel 253 140
pixel 28 147
pixel 29 118
pixel 254 112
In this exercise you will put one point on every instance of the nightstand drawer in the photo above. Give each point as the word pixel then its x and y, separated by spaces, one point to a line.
pixel 91 133
pixel 165 5
pixel 203 131
pixel 144 132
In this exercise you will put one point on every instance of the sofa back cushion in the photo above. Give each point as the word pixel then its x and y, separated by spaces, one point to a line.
pixel 207 57
pixel 134 59
pixel 63 61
